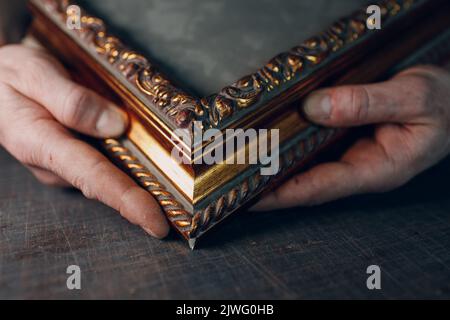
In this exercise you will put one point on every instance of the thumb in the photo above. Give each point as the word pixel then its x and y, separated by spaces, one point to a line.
pixel 362 104
pixel 43 80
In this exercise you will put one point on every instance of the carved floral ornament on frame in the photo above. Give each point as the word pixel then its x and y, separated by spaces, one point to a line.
pixel 208 118
pixel 243 96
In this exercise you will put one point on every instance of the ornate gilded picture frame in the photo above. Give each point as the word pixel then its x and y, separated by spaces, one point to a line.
pixel 196 196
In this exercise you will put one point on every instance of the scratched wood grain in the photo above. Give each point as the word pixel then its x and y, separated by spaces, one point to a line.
pixel 320 252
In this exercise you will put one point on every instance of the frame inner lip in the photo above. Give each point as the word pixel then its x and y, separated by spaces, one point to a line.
pixel 235 208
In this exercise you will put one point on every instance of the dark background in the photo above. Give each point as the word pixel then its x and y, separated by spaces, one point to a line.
pixel 320 252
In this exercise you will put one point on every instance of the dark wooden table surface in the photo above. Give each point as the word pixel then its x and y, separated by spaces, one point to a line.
pixel 320 252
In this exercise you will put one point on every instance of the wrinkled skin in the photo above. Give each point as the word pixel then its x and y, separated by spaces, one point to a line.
pixel 411 114
pixel 41 107
pixel 38 105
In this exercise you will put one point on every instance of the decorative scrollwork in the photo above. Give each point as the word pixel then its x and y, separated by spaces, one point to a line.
pixel 178 107
pixel 181 109
pixel 175 212
pixel 192 226
pixel 290 67
pixel 280 73
pixel 222 206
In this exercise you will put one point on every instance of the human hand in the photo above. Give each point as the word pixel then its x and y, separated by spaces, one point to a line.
pixel 39 104
pixel 411 113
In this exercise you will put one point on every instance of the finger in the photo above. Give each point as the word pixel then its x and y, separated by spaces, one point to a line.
pixel 48 178
pixel 43 142
pixel 366 167
pixel 396 100
pixel 99 179
pixel 43 80
pixel 323 183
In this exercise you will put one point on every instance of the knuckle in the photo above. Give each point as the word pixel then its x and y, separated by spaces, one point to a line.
pixel 37 68
pixel 23 134
pixel 29 74
pixel 81 184
pixel 33 70
pixel 33 156
pixel 16 61
pixel 359 103
pixel 21 57
pixel 40 156
pixel 21 155
pixel 73 111
pixel 7 52
pixel 352 103
pixel 423 96
pixel 390 178
pixel 84 181
pixel 34 151
pixel 125 198
pixel 87 192
pixel 421 85
pixel 24 150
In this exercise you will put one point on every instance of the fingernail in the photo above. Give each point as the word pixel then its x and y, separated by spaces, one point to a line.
pixel 156 235
pixel 112 122
pixel 317 106
pixel 149 231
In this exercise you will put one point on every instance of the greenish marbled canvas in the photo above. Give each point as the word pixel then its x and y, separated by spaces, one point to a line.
pixel 207 44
